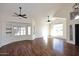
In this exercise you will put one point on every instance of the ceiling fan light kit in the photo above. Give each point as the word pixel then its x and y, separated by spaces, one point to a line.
pixel 48 20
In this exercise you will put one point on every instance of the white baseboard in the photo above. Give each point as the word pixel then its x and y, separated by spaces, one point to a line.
pixel 71 42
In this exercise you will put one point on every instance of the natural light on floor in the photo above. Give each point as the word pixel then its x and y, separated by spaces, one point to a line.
pixel 45 33
pixel 58 45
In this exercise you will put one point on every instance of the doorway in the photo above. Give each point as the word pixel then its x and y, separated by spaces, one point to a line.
pixel 58 30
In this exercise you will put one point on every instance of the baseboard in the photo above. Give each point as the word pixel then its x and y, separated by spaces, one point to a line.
pixel 71 42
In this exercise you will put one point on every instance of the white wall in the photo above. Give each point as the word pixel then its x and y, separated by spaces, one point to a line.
pixel 40 29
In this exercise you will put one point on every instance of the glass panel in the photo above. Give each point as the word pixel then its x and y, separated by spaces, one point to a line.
pixel 29 30
pixel 23 31
pixel 19 31
pixel 71 32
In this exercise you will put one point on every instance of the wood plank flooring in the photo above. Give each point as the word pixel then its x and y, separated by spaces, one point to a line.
pixel 38 47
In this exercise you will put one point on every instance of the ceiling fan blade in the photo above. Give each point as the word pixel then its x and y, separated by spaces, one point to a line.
pixel 16 14
pixel 25 17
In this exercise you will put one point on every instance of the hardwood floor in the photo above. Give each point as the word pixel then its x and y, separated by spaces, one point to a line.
pixel 38 47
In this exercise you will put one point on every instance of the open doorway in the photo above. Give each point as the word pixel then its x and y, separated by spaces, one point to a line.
pixel 58 30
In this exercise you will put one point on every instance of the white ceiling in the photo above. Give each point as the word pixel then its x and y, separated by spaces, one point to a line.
pixel 33 10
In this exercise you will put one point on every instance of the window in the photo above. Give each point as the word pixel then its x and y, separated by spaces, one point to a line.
pixel 23 31
pixel 29 30
pixel 19 31
pixel 71 32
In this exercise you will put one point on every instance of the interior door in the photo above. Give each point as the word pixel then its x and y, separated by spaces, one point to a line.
pixel 77 34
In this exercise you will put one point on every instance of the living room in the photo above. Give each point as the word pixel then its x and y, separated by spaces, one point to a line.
pixel 51 26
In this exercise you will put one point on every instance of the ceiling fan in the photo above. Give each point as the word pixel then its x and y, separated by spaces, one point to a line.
pixel 49 21
pixel 20 14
